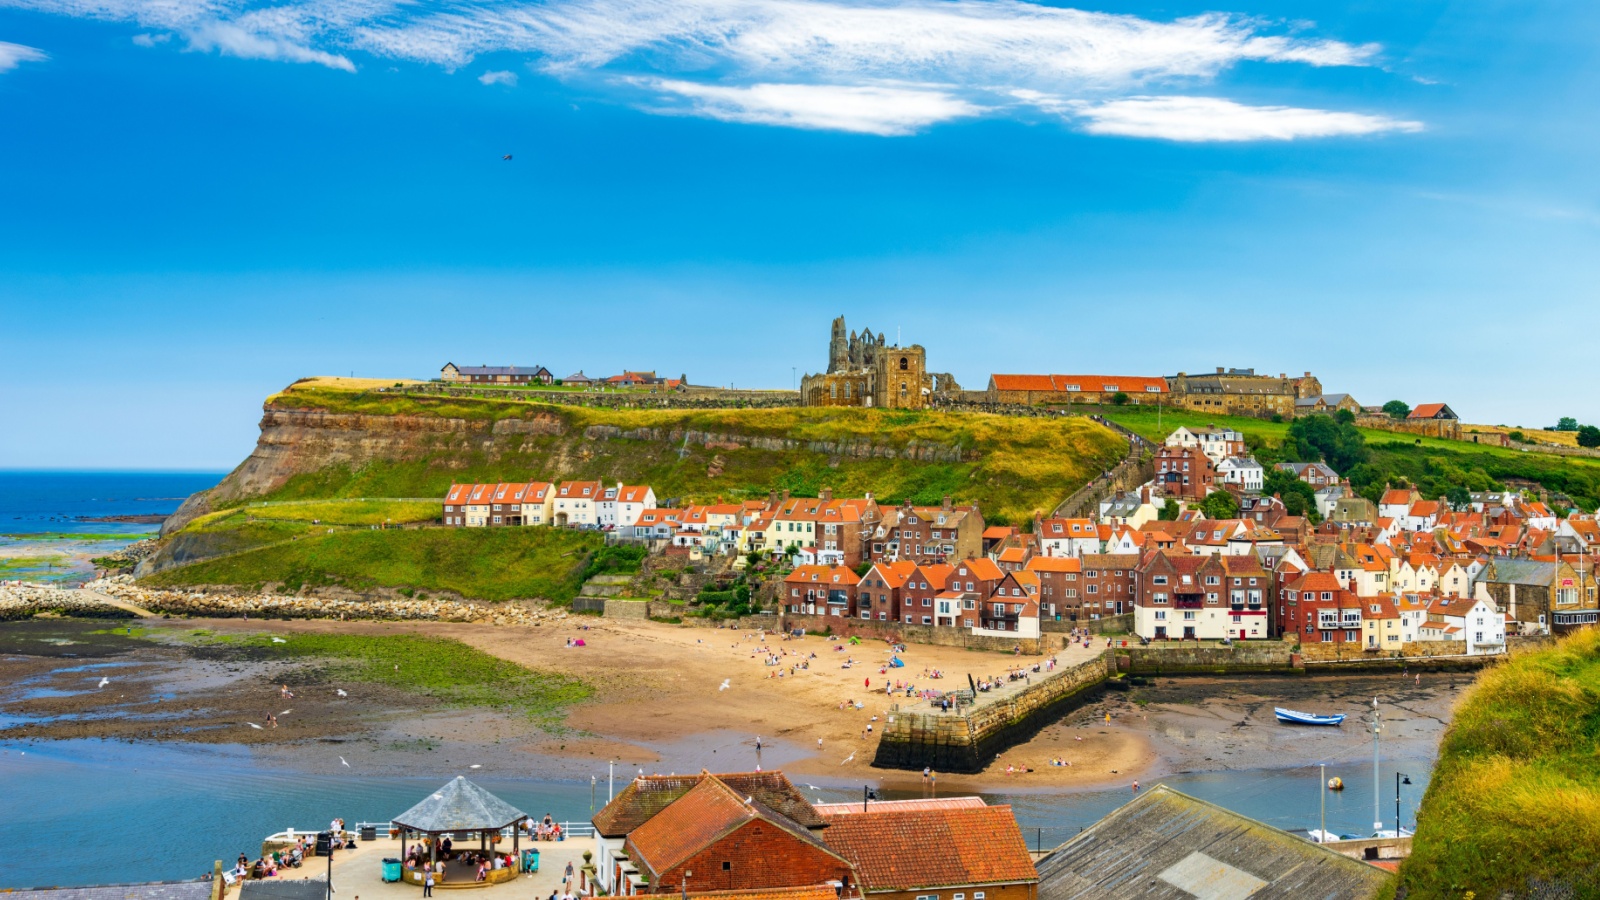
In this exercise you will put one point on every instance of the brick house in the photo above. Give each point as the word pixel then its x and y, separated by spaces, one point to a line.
pixel 820 591
pixel 736 832
pixel 1317 607
pixel 946 849
pixel 927 534
pixel 1203 598
pixel 1184 473
pixel 1110 584
pixel 1060 587
pixel 917 596
pixel 878 596
pixel 1028 390
pixel 1013 607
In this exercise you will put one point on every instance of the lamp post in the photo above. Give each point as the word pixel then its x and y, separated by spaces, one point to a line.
pixel 687 873
pixel 1399 779
pixel 867 793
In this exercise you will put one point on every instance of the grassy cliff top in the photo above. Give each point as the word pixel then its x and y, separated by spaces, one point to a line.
pixel 1515 798
pixel 894 427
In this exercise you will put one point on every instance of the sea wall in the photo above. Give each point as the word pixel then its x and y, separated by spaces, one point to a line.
pixel 945 636
pixel 965 742
pixel 24 600
pixel 1190 659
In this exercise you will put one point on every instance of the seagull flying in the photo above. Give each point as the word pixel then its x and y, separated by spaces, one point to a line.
pixel 724 684
pixel 475 766
pixel 254 725
pixel 342 692
pixel 104 681
pixel 279 640
pixel 286 712
pixel 507 157
pixel 346 765
pixel 848 758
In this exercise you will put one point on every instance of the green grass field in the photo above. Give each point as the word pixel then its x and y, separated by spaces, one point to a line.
pixel 1420 460
pixel 1515 795
pixel 348 512
pixel 483 564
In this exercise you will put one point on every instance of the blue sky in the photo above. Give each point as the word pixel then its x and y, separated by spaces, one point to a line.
pixel 201 200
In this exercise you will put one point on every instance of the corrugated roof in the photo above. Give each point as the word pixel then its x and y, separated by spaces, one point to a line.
pixel 648 795
pixel 1166 845
pixel 460 806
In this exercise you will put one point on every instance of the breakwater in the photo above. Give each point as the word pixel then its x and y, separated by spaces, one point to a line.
pixel 966 741
pixel 224 604
pixel 24 600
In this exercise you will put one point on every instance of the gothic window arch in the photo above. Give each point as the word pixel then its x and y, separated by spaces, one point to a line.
pixel 905 364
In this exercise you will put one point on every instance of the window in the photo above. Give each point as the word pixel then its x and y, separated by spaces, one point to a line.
pixel 726 866
pixel 1159 579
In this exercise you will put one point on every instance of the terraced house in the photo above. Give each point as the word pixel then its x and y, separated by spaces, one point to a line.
pixel 927 534
pixel 504 504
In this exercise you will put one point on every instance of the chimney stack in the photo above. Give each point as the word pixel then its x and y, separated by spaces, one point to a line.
pixel 946 502
pixel 1219 370
pixel 826 494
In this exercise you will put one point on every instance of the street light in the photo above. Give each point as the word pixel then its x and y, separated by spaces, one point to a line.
pixel 1399 779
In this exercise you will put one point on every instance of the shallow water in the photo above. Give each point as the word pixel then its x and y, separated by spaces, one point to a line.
pixel 167 811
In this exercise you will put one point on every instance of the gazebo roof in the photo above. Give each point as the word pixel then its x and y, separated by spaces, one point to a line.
pixel 460 806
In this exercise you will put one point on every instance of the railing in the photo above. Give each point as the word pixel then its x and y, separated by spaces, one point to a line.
pixel 569 829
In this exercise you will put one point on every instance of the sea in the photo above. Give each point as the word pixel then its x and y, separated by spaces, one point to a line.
pixel 166 811
pixel 48 520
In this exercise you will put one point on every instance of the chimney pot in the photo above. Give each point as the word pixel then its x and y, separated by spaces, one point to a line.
pixel 1219 370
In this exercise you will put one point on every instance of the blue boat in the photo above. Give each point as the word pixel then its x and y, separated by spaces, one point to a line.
pixel 1299 718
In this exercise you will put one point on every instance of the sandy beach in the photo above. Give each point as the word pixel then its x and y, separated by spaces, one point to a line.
pixel 659 706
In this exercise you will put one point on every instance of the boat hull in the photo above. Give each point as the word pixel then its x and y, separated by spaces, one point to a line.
pixel 1293 717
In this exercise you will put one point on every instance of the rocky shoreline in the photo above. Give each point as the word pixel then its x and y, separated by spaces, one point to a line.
pixel 20 600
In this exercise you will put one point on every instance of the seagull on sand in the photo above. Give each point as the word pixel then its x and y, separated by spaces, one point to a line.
pixel 254 725
pixel 346 765
pixel 104 681
pixel 724 684
pixel 342 692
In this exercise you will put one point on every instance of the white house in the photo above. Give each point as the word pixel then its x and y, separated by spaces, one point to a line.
pixel 1328 497
pixel 1243 471
pixel 1067 537
pixel 1216 443
pixel 577 503
pixel 622 505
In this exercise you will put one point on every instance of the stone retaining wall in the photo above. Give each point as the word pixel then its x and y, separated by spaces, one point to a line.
pixel 966 742
pixel 1122 624
pixel 1243 656
pixel 939 636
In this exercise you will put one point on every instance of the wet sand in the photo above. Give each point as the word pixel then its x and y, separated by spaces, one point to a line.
pixel 659 707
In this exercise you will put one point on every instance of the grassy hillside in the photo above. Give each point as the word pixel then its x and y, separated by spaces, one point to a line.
pixel 1017 465
pixel 1515 797
pixel 484 564
pixel 1432 463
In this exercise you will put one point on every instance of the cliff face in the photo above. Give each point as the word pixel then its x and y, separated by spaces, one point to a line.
pixel 537 445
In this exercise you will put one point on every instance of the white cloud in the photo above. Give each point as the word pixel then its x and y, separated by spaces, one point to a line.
pixel 13 55
pixel 869 66
pixel 1215 119
pixel 151 40
pixel 492 77
pixel 864 110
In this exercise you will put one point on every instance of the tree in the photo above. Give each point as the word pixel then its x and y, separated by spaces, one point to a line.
pixel 1567 423
pixel 1297 496
pixel 1331 439
pixel 1397 409
pixel 1588 436
pixel 1459 496
pixel 1518 436
pixel 1120 398
pixel 1169 511
pixel 1220 505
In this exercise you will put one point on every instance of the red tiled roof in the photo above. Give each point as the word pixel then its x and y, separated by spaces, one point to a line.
pixel 998 532
pixel 1426 411
pixel 1055 564
pixel 1128 384
pixel 1022 382
pixel 812 892
pixel 822 575
pixel 829 810
pixel 931 848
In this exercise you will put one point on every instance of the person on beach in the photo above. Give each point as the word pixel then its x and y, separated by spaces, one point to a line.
pixel 427 883
pixel 1136 786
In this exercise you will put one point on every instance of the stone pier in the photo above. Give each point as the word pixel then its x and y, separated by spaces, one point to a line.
pixel 966 741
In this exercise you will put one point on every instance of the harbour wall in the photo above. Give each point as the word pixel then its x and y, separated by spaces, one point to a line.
pixel 965 742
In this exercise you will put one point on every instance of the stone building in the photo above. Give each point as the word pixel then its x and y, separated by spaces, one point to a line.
pixel 1242 392
pixel 864 370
